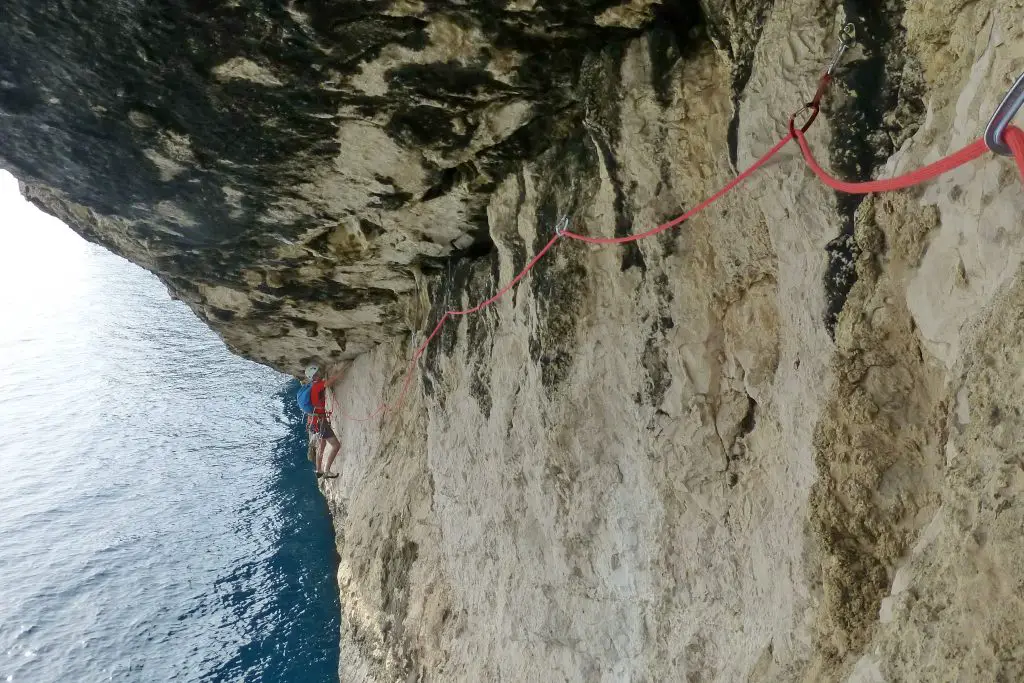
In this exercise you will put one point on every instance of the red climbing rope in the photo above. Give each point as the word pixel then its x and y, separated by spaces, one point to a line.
pixel 944 165
pixel 692 212
pixel 1013 137
pixel 504 290
pixel 383 407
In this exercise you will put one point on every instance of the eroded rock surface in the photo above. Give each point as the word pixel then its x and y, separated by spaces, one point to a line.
pixel 290 169
pixel 779 443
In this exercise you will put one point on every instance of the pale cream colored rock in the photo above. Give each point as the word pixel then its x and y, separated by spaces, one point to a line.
pixel 246 70
pixel 611 512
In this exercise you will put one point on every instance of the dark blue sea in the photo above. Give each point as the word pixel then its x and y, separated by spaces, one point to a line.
pixel 159 520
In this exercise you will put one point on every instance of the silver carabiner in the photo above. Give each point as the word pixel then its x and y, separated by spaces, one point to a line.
pixel 562 226
pixel 1005 112
pixel 846 39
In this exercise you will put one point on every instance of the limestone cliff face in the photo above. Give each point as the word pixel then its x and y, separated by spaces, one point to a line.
pixel 780 443
pixel 292 169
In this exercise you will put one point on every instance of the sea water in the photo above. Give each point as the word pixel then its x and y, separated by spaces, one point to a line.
pixel 159 520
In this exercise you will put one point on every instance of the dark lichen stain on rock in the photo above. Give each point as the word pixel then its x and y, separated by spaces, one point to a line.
pixel 749 420
pixel 655 361
pixel 736 28
pixel 879 103
pixel 440 292
pixel 425 127
pixel 671 37
pixel 514 242
pixel 468 278
pixel 396 560
pixel 558 290
pixel 559 282
pixel 601 81
pixel 443 82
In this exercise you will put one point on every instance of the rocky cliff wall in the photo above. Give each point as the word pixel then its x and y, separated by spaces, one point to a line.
pixel 779 443
pixel 655 463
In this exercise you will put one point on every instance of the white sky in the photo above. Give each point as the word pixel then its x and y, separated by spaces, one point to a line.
pixel 36 249
pixel 14 210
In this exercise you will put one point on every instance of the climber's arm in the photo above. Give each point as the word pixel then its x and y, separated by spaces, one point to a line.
pixel 335 377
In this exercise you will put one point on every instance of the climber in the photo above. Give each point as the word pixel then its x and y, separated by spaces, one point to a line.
pixel 312 398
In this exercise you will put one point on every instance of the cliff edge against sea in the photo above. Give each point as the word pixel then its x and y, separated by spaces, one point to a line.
pixel 782 442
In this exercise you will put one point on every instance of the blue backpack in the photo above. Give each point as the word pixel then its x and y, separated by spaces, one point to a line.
pixel 305 398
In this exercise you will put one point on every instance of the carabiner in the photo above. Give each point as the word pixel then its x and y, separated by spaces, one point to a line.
pixel 562 226
pixel 810 107
pixel 1005 112
pixel 846 38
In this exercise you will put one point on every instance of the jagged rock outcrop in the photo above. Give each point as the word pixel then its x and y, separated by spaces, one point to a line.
pixel 292 169
pixel 780 443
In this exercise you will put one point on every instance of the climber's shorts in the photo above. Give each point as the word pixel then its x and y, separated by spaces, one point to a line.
pixel 322 428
